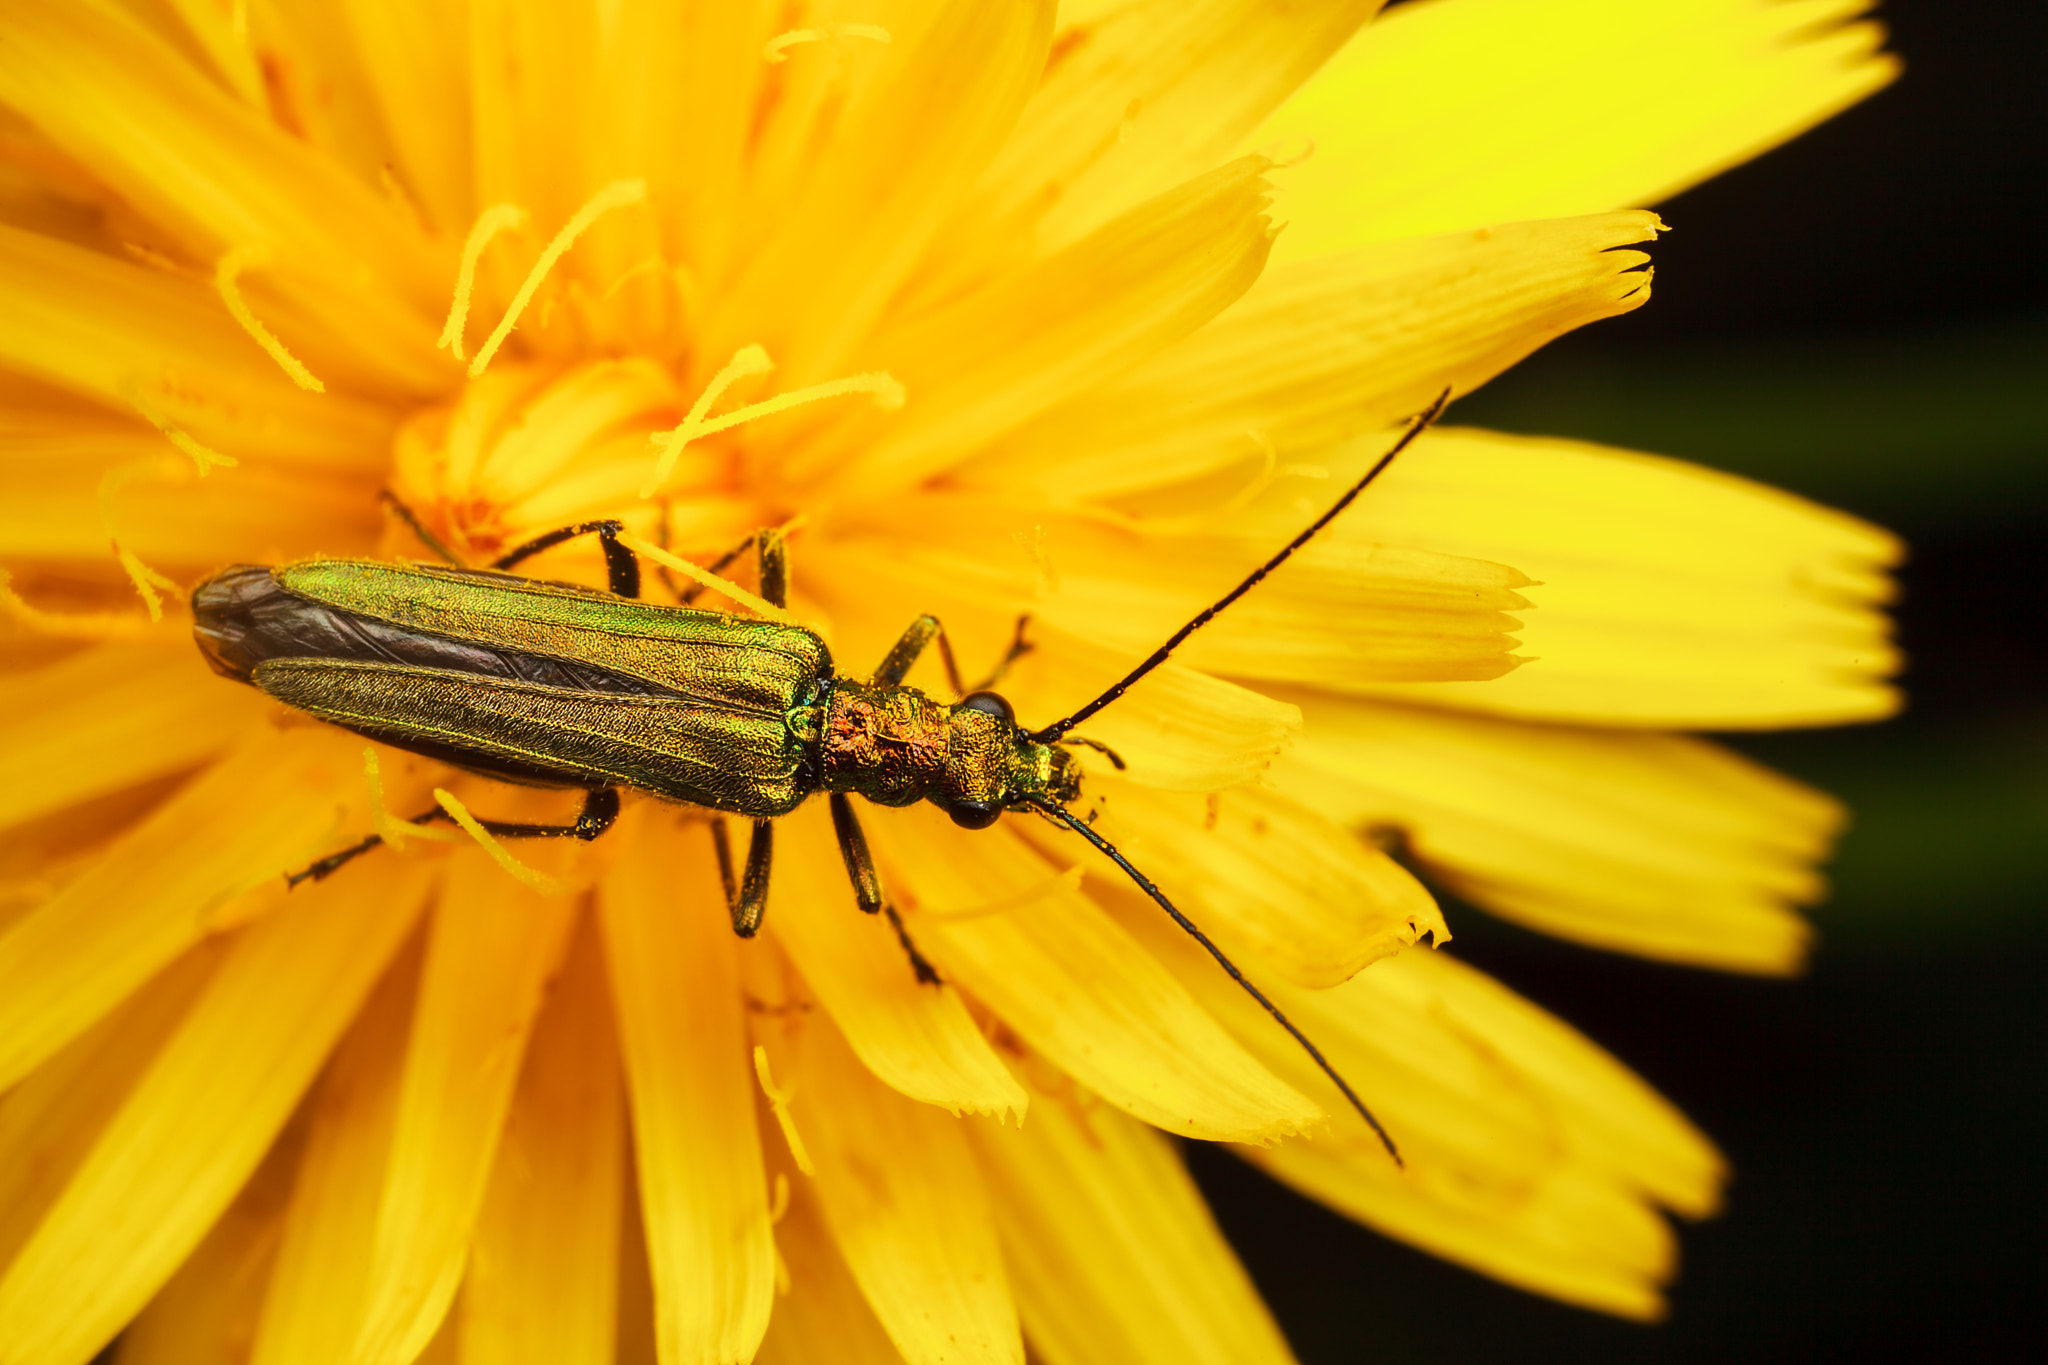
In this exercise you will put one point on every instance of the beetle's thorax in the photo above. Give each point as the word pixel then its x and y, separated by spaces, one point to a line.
pixel 896 746
pixel 890 744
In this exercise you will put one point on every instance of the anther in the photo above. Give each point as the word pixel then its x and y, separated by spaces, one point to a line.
pixel 778 1104
pixel 227 276
pixel 617 195
pixel 393 831
pixel 758 605
pixel 775 49
pixel 459 813
pixel 751 360
pixel 494 220
pixel 95 625
pixel 205 457
pixel 145 579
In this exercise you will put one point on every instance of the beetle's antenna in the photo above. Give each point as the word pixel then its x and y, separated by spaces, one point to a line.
pixel 1109 851
pixel 1209 613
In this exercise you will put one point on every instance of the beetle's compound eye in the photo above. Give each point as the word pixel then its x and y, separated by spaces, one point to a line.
pixel 975 814
pixel 993 703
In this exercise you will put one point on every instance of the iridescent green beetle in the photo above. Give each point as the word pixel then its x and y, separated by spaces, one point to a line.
pixel 551 684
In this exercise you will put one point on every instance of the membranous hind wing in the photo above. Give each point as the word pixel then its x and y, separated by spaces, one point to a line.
pixel 532 681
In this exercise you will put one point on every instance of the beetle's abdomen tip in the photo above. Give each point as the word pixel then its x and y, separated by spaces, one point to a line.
pixel 225 611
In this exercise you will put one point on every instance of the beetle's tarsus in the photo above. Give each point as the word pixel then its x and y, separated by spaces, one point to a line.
pixel 600 809
pixel 927 975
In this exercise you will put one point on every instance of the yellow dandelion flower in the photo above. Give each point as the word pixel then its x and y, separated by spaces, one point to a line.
pixel 986 307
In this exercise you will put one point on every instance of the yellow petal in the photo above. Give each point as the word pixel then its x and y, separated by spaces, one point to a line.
pixel 1321 350
pixel 677 104
pixel 415 61
pixel 314 1304
pixel 1340 612
pixel 1531 1155
pixel 823 1317
pixel 1568 1234
pixel 231 55
pixel 985 365
pixel 135 339
pixel 1114 1255
pixel 1652 844
pixel 676 988
pixel 493 948
pixel 904 1199
pixel 209 857
pixel 1137 97
pixel 1273 880
pixel 203 1316
pixel 542 1279
pixel 200 1120
pixel 841 249
pixel 916 1038
pixel 50 1122
pixel 263 511
pixel 216 175
pixel 107 718
pixel 316 88
pixel 1003 923
pixel 530 69
pixel 1672 596
pixel 1177 729
pixel 1457 113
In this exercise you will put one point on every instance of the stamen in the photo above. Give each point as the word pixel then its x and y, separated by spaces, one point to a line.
pixel 225 275
pixel 778 1202
pixel 204 456
pixel 393 831
pixel 759 606
pixel 95 625
pixel 156 260
pixel 145 579
pixel 617 195
pixel 653 264
pixel 496 219
pixel 888 394
pixel 745 362
pixel 773 49
pixel 778 1101
pixel 459 813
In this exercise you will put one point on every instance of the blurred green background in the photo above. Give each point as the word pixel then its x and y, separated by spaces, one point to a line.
pixel 1861 317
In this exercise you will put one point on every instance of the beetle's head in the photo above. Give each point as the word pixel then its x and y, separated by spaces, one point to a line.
pixel 993 766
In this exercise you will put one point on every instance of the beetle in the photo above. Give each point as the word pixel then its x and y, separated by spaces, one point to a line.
pixel 546 683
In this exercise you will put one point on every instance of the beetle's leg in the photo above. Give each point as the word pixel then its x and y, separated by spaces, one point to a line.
pixel 1019 647
pixel 910 645
pixel 747 901
pixel 412 521
pixel 695 590
pixel 926 973
pixel 927 628
pixel 853 847
pixel 867 883
pixel 334 862
pixel 600 808
pixel 774 562
pixel 621 565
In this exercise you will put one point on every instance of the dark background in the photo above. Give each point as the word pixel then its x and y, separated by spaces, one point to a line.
pixel 1860 316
